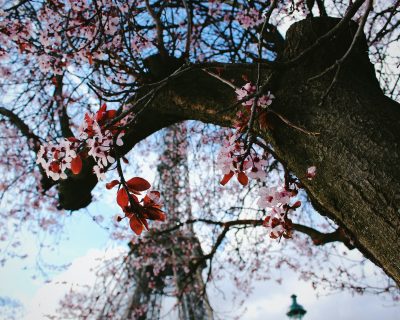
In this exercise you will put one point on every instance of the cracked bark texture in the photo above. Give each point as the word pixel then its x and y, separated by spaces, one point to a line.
pixel 357 152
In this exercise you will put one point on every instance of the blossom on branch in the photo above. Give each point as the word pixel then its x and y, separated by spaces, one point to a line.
pixel 95 139
pixel 234 159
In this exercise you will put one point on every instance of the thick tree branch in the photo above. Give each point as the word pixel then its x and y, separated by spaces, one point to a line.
pixel 320 238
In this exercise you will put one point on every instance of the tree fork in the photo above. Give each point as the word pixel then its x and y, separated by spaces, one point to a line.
pixel 357 152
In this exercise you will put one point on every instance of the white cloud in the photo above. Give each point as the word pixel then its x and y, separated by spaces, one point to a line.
pixel 79 274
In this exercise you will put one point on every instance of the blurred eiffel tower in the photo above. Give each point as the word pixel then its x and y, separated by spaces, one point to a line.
pixel 145 301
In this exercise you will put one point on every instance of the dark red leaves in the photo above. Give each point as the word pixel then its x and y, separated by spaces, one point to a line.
pixel 125 160
pixel 136 225
pixel 88 120
pixel 154 213
pixel 242 178
pixel 112 184
pixel 111 114
pixel 226 178
pixel 76 165
pixel 101 113
pixel 90 58
pixel 296 205
pixel 138 184
pixel 122 198
pixel 138 211
pixel 73 139
pixel 104 115
pixel 150 197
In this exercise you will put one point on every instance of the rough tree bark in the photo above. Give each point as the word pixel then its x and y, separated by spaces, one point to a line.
pixel 357 152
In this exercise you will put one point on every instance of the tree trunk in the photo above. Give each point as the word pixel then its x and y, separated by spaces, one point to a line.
pixel 357 152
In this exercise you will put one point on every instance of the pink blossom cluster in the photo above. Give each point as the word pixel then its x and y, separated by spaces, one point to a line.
pixel 56 158
pixel 233 159
pixel 249 18
pixel 93 140
pixel 99 143
pixel 276 202
pixel 248 89
pixel 311 172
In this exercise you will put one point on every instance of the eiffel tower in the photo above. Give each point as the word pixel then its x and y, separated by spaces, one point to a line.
pixel 145 302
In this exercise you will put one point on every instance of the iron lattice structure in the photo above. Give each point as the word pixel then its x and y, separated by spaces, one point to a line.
pixel 173 183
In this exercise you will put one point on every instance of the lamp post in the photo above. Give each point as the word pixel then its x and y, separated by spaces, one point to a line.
pixel 296 311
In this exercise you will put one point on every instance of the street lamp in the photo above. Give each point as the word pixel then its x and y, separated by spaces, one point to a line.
pixel 296 311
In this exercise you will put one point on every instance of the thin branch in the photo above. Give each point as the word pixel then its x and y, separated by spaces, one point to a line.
pixel 189 29
pixel 292 125
pixel 22 126
pixel 159 29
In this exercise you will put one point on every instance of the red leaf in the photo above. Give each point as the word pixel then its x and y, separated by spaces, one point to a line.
pixel 125 160
pixel 136 225
pixel 88 120
pixel 122 198
pixel 144 222
pixel 101 114
pixel 138 184
pixel 226 178
pixel 266 221
pixel 103 108
pixel 316 241
pixel 112 184
pixel 22 47
pixel 76 165
pixel 154 213
pixel 242 178
pixel 151 198
pixel 296 204
pixel 73 139
pixel 90 58
pixel 111 114
pixel 146 200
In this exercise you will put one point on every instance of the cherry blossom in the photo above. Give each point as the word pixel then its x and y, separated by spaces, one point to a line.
pixel 56 159
pixel 273 197
pixel 99 172
pixel 277 225
pixel 233 159
pixel 249 18
pixel 93 137
pixel 249 89
pixel 311 172
pixel 275 200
